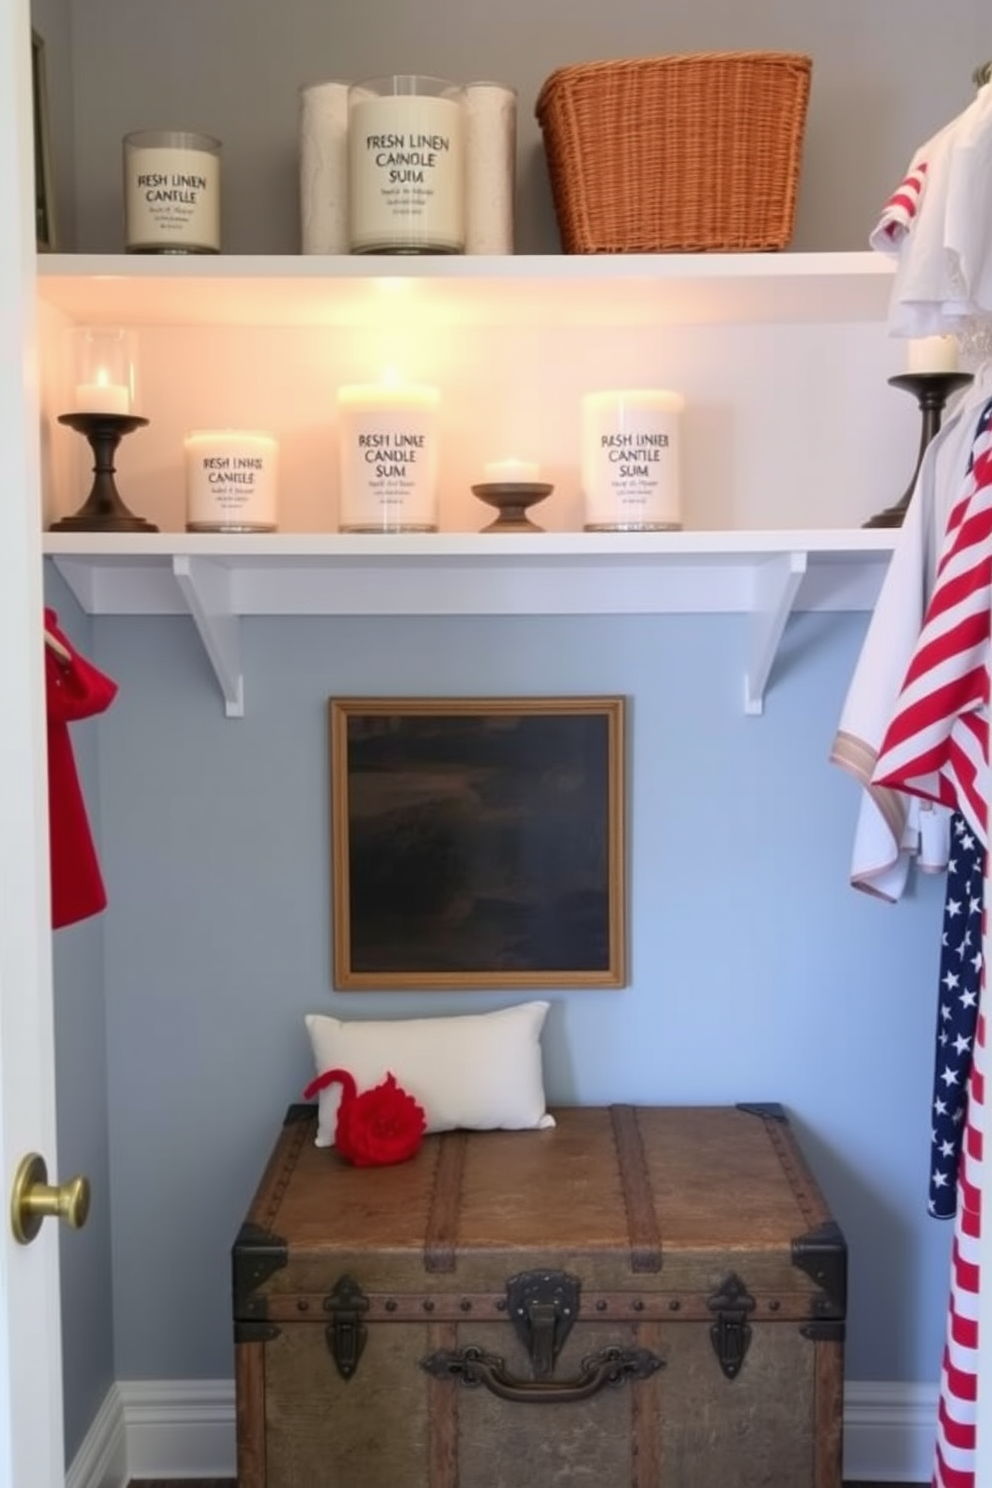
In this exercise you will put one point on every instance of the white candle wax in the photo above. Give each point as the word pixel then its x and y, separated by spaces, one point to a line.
pixel 323 147
pixel 511 472
pixel 231 480
pixel 630 460
pixel 387 448
pixel 406 174
pixel 103 396
pixel 932 354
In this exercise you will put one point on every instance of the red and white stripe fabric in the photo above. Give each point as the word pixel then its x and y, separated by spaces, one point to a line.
pixel 936 746
pixel 900 210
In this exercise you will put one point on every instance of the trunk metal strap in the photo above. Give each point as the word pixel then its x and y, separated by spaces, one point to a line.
pixel 643 1230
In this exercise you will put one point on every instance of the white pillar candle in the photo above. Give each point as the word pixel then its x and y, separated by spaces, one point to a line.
pixel 932 354
pixel 511 472
pixel 490 167
pixel 231 480
pixel 630 460
pixel 387 448
pixel 406 166
pixel 103 396
pixel 323 144
pixel 171 192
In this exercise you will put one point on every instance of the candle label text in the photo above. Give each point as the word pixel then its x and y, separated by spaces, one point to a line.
pixel 406 187
pixel 634 455
pixel 388 475
pixel 231 491
pixel 630 475
pixel 172 200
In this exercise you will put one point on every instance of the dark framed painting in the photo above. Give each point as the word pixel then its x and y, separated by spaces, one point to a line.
pixel 44 194
pixel 477 842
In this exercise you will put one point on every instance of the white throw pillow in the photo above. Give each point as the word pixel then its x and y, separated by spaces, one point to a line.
pixel 480 1071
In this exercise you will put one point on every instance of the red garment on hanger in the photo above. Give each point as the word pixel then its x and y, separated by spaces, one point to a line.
pixel 74 689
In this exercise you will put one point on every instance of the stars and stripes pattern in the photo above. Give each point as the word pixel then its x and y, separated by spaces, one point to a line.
pixel 955 1447
pixel 937 747
pixel 957 1012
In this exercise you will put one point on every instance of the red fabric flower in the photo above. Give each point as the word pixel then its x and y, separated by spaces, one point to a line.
pixel 382 1125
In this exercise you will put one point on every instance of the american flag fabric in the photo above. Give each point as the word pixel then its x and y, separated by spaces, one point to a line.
pixel 955 1450
pixel 900 210
pixel 958 987
pixel 936 746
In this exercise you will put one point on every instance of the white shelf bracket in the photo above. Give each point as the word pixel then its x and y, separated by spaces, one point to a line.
pixel 776 583
pixel 206 588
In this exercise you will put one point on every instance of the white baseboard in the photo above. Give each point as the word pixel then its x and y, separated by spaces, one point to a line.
pixel 179 1428
pixel 889 1432
pixel 101 1461
pixel 185 1429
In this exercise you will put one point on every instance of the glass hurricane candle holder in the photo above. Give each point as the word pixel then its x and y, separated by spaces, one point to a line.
pixel 104 369
pixel 103 398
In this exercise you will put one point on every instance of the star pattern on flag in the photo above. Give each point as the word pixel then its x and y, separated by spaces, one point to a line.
pixel 957 1011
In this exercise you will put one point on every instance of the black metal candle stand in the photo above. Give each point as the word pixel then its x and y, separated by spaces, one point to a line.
pixel 931 390
pixel 103 511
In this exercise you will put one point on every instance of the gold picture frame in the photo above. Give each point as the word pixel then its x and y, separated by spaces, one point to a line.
pixel 44 191
pixel 477 842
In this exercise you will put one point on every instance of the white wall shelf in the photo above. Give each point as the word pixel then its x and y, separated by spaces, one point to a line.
pixel 577 290
pixel 217 579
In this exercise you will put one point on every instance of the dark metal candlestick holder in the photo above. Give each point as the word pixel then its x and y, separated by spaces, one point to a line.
pixel 931 390
pixel 104 511
pixel 511 499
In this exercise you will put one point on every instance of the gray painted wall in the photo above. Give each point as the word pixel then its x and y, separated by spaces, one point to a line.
pixel 885 76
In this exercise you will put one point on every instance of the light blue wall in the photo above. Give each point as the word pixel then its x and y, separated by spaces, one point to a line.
pixel 758 974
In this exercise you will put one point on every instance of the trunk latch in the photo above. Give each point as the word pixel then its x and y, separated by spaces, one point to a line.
pixel 347 1333
pixel 542 1306
pixel 730 1335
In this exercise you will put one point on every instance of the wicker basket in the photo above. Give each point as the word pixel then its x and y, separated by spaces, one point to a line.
pixel 691 153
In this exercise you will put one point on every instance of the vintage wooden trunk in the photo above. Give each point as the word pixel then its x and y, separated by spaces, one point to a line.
pixel 643 1297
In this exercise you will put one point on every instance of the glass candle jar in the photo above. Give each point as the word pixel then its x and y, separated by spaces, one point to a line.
pixel 171 192
pixel 231 480
pixel 630 460
pixel 387 448
pixel 406 166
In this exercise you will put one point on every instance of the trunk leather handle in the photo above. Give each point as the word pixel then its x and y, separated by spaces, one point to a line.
pixel 472 1366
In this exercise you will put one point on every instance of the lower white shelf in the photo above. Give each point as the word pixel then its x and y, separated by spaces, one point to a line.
pixel 218 578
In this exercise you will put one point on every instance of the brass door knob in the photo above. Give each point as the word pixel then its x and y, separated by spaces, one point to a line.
pixel 33 1199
